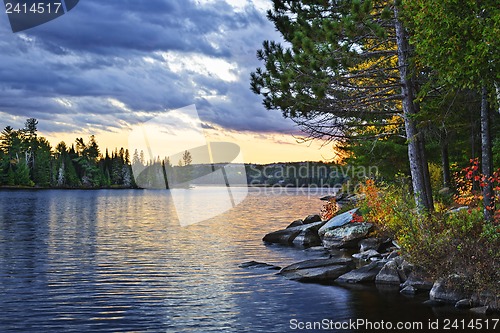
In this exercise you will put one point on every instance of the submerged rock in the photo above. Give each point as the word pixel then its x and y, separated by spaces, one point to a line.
pixel 257 264
pixel 317 270
pixel 364 274
pixel 347 236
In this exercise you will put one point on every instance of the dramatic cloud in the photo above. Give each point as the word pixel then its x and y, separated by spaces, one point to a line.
pixel 107 65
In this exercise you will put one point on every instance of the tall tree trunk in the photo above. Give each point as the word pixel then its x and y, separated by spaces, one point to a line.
pixel 415 146
pixel 486 156
pixel 445 160
pixel 425 172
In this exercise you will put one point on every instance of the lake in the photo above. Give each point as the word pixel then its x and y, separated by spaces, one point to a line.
pixel 119 261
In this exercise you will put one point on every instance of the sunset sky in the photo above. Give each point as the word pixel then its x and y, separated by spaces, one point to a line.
pixel 106 67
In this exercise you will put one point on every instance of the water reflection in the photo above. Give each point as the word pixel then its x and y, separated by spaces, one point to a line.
pixel 112 261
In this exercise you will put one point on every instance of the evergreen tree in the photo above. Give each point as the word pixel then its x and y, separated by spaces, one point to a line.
pixel 348 66
pixel 42 168
pixel 460 44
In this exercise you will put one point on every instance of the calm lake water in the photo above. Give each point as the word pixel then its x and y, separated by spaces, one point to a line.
pixel 119 261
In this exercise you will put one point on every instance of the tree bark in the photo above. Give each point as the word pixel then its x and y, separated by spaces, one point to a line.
pixel 445 161
pixel 425 172
pixel 415 145
pixel 486 156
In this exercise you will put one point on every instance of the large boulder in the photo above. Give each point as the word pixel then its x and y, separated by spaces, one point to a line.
pixel 347 236
pixel 449 290
pixel 389 274
pixel 287 236
pixel 307 238
pixel 337 221
pixel 318 270
pixel 364 274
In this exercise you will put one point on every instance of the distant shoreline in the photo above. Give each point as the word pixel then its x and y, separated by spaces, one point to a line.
pixel 36 188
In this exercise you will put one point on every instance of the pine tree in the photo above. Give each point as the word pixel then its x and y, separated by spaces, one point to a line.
pixel 348 66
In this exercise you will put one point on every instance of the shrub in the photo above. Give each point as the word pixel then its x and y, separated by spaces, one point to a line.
pixel 329 209
pixel 457 243
pixel 470 183
pixel 386 207
pixel 442 243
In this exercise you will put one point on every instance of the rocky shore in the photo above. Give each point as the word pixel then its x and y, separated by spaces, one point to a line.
pixel 357 257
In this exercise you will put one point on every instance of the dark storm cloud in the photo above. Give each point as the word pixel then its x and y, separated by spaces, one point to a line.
pixel 67 73
pixel 153 25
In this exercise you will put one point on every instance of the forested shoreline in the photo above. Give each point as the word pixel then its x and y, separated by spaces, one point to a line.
pixel 412 87
pixel 28 160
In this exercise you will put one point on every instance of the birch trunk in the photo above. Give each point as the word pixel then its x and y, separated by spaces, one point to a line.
pixel 486 156
pixel 415 153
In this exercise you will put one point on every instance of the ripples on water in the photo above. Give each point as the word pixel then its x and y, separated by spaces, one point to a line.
pixel 118 261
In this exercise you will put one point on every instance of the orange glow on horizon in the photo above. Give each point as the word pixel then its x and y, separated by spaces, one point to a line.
pixel 261 148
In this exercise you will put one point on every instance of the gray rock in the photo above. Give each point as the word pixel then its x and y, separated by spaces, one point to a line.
pixel 337 221
pixel 388 274
pixel 351 199
pixel 404 269
pixel 386 245
pixel 487 298
pixel 295 223
pixel 318 248
pixel 369 244
pixel 464 304
pixel 364 274
pixel 366 255
pixel 311 219
pixel 409 290
pixel 256 264
pixel 347 236
pixel 419 280
pixel 484 310
pixel 393 255
pixel 328 197
pixel 317 270
pixel 433 303
pixel 286 236
pixel 307 238
pixel 449 290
